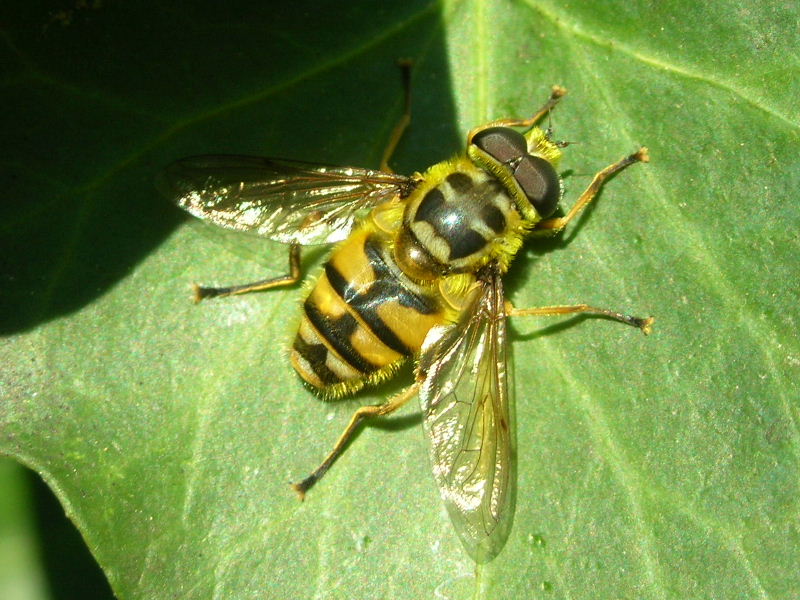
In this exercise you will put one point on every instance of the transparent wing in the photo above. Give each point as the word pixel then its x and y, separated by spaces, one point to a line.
pixel 468 418
pixel 287 201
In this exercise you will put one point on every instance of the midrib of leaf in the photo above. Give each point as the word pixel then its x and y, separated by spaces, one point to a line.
pixel 481 57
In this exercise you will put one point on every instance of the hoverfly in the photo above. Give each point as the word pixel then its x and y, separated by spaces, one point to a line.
pixel 416 274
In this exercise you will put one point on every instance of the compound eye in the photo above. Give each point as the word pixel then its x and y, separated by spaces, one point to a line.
pixel 540 182
pixel 501 143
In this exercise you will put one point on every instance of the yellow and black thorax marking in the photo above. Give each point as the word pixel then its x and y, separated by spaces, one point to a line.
pixel 455 221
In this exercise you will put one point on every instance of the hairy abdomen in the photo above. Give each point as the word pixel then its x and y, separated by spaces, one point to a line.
pixel 362 319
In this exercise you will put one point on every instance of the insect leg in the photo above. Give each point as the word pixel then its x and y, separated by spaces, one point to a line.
pixel 556 225
pixel 557 92
pixel 201 292
pixel 645 324
pixel 405 119
pixel 365 412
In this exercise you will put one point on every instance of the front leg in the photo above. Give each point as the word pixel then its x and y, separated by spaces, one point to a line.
pixel 550 227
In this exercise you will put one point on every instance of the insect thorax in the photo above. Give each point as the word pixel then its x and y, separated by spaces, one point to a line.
pixel 455 221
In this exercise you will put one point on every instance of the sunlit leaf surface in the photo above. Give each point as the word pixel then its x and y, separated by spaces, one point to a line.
pixel 660 467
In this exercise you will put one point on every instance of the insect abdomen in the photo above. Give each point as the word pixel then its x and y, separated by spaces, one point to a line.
pixel 362 319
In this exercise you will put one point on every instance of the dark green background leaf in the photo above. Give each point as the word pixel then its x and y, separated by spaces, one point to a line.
pixel 661 467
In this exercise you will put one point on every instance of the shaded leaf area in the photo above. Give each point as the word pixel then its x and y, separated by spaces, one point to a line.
pixel 660 467
pixel 42 555
pixel 97 105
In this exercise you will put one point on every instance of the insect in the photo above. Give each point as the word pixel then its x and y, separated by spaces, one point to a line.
pixel 416 274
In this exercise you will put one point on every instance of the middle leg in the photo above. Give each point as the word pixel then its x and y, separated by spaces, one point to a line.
pixel 203 292
pixel 643 323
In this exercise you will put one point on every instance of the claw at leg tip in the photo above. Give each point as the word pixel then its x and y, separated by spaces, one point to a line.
pixel 301 492
pixel 647 325
pixel 197 293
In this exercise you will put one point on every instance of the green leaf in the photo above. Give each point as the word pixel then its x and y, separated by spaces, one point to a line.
pixel 660 467
pixel 20 574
